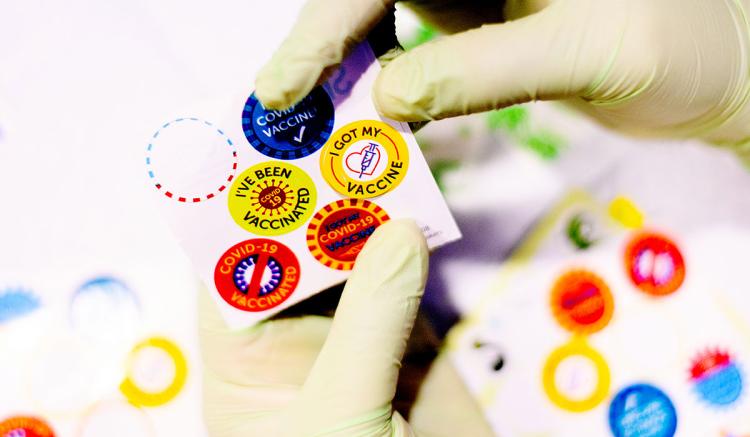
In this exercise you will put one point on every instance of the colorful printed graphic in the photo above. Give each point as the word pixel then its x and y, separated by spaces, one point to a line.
pixel 580 232
pixel 257 275
pixel 16 302
pixel 292 133
pixel 22 426
pixel 365 159
pixel 717 378
pixel 581 302
pixel 146 397
pixel 642 410
pixel 170 141
pixel 337 233
pixel 272 198
pixel 105 308
pixel 576 377
pixel 655 264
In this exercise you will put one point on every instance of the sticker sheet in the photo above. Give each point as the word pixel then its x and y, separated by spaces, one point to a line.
pixel 274 206
pixel 603 323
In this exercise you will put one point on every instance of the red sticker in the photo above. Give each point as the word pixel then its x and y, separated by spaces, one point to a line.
pixel 21 426
pixel 257 275
pixel 654 264
pixel 338 232
pixel 582 302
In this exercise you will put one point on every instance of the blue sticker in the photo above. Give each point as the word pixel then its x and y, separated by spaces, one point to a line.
pixel 642 410
pixel 15 303
pixel 717 378
pixel 292 133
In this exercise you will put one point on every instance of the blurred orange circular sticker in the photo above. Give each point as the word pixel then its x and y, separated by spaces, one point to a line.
pixel 337 233
pixel 654 264
pixel 581 302
pixel 22 426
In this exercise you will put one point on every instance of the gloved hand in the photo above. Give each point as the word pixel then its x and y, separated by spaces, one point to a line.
pixel 313 376
pixel 676 68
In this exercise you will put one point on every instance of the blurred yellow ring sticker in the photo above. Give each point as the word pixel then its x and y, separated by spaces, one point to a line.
pixel 365 159
pixel 577 348
pixel 142 398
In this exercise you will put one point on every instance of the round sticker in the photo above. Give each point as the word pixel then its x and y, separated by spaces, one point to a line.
pixel 365 159
pixel 182 156
pixel 257 275
pixel 22 426
pixel 640 410
pixel 292 133
pixel 717 378
pixel 272 198
pixel 17 302
pixel 576 377
pixel 655 264
pixel 581 232
pixel 105 309
pixel 581 302
pixel 155 352
pixel 337 233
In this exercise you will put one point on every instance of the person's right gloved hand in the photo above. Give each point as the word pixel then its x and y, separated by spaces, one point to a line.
pixel 669 68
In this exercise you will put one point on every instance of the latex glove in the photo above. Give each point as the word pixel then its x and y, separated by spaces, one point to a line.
pixel 313 376
pixel 675 68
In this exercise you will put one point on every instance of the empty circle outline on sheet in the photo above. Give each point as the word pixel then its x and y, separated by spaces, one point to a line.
pixel 292 133
pixel 173 192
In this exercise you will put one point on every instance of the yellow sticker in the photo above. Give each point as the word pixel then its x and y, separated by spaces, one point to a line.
pixel 143 398
pixel 576 377
pixel 364 159
pixel 626 212
pixel 272 198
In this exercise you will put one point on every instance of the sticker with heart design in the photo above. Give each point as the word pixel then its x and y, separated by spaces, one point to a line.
pixel 365 159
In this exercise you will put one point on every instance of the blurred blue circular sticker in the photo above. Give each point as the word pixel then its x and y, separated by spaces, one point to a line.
pixel 291 133
pixel 642 410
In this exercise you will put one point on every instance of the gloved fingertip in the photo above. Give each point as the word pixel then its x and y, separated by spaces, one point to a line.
pixel 394 246
pixel 397 93
pixel 271 91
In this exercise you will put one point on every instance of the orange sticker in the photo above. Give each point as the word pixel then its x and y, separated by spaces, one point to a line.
pixel 581 302
pixel 23 426
pixel 338 232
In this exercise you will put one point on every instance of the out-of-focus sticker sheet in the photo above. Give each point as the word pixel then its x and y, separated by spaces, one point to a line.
pixel 604 323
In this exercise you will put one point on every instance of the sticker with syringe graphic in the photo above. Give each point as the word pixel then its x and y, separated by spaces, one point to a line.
pixel 296 196
pixel 365 159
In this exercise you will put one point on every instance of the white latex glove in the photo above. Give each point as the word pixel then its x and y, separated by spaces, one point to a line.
pixel 676 68
pixel 313 376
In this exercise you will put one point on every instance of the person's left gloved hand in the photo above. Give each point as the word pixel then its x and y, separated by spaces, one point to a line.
pixel 313 376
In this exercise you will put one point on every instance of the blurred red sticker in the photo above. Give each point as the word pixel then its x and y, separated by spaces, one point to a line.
pixel 654 264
